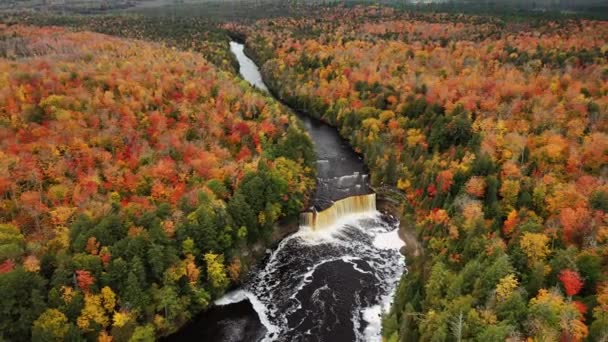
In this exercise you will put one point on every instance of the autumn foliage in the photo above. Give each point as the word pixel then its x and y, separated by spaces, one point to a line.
pixel 133 177
pixel 571 281
pixel 495 134
pixel 124 165
pixel 84 280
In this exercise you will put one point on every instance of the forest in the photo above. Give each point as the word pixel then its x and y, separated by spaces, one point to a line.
pixel 136 183
pixel 185 33
pixel 494 134
pixel 140 177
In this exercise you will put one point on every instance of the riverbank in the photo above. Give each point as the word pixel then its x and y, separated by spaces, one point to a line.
pixel 386 205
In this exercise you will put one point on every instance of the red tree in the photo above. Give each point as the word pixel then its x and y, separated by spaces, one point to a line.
pixel 571 280
pixel 7 266
pixel 431 190
pixel 84 279
pixel 581 307
pixel 445 180
pixel 106 256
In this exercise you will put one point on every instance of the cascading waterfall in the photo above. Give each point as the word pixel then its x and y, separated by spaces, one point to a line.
pixel 345 207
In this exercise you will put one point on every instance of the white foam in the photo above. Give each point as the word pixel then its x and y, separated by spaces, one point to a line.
pixel 231 298
pixel 351 260
pixel 307 277
pixel 328 234
pixel 258 307
pixel 272 261
pixel 347 181
pixel 373 317
pixel 356 320
pixel 388 240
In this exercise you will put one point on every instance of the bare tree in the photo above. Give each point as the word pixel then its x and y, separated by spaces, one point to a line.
pixel 456 326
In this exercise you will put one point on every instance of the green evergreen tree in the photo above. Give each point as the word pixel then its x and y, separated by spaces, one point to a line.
pixel 22 301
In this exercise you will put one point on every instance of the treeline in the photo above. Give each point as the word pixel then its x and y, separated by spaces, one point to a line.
pixel 495 132
pixel 137 184
pixel 71 6
pixel 195 33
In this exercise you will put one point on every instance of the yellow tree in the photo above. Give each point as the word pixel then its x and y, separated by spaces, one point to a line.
pixel 98 308
pixel 52 325
pixel 108 298
pixel 93 312
pixel 506 286
pixel 535 245
pixel 216 272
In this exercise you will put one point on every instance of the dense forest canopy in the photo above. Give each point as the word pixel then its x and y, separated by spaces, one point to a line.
pixel 138 179
pixel 495 133
pixel 195 34
pixel 135 182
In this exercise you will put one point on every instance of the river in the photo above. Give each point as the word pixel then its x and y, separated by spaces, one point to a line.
pixel 331 279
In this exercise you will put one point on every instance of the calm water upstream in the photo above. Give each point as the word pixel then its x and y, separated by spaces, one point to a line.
pixel 329 283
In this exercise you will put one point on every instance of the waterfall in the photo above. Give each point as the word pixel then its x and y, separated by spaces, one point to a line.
pixel 344 207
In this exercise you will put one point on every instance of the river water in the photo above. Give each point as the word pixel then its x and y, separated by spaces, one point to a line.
pixel 327 283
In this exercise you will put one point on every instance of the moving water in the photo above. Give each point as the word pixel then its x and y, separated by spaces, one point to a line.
pixel 349 206
pixel 329 281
